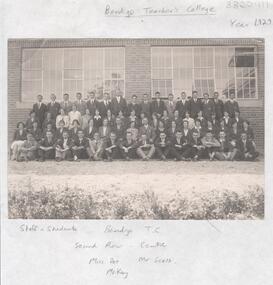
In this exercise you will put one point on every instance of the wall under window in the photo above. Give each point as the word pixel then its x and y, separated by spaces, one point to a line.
pixel 71 70
pixel 205 69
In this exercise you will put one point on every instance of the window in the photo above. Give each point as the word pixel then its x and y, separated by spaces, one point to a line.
pixel 205 69
pixel 71 70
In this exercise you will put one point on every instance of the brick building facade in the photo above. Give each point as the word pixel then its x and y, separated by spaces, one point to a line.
pixel 140 71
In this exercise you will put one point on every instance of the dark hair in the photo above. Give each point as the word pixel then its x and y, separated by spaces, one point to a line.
pixel 20 123
pixel 75 121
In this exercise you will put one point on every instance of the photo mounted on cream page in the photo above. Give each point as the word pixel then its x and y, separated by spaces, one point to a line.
pixel 137 142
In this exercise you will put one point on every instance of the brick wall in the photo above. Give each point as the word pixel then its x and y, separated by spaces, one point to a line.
pixel 137 71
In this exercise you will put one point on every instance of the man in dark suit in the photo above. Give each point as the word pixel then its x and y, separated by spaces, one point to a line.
pixel 63 148
pixel 92 103
pixel 112 147
pixel 207 107
pixel 170 106
pixel 162 146
pixel 195 105
pixel 148 130
pixel 232 106
pixel 186 139
pixel 157 105
pixel 245 149
pixel 119 129
pixel 81 105
pixel 66 105
pixel 218 106
pixel 145 106
pixel 134 106
pixel 177 146
pixel 119 104
pixel 105 105
pixel 183 105
pixel 128 147
pixel 46 148
pixel 53 107
pixel 39 109
pixel 80 148
pixel 226 151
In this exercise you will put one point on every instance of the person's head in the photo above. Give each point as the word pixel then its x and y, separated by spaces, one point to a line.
pixel 120 113
pixel 226 114
pixel 35 125
pixel 142 115
pixel 20 125
pixel 183 95
pixel 87 112
pixel 215 95
pixel 49 135
pixel 32 114
pixel 197 123
pixel 234 125
pixel 170 97
pixel 162 136
pixel 91 95
pixel 165 113
pixel 80 134
pixel 213 116
pixel 105 96
pixel 222 135
pixel 39 98
pixel 206 96
pixel 53 97
pixel 187 114
pixel 79 96
pixel 91 122
pixel 49 126
pixel 105 122
pixel 62 112
pixel 173 124
pixel 243 136
pixel 143 137
pixel 133 113
pixel 132 124
pixel 145 97
pixel 145 121
pixel 195 135
pixel 30 137
pixel 157 95
pixel 185 124
pixel 178 134
pixel 75 123
pixel 176 113
pixel 65 135
pixel 209 124
pixel 96 136
pixel 199 114
pixel 74 107
pixel 66 96
pixel 154 116
pixel 134 98
pixel 109 113
pixel 128 135
pixel 97 112
pixel 61 123
pixel 160 124
pixel 118 121
pixel 222 123
pixel 209 136
pixel 245 124
pixel 194 94
pixel 112 136
pixel 232 95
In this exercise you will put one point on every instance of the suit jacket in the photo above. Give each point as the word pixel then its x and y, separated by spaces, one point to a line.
pixel 53 109
pixel 67 106
pixel 175 142
pixel 84 142
pixel 208 108
pixel 249 132
pixel 170 108
pixel 231 108
pixel 196 142
pixel 90 133
pixel 219 108
pixel 225 146
pixel 92 106
pixel 135 107
pixel 60 143
pixel 97 122
pixel 59 133
pixel 37 134
pixel 195 107
pixel 19 137
pixel 126 143
pixel 81 106
pixel 40 113
pixel 228 123
pixel 96 145
pixel 119 106
pixel 146 108
pixel 119 132
pixel 158 107
pixel 158 143
pixel 44 142
pixel 149 131
pixel 106 134
pixel 109 143
pixel 51 121
pixel 182 108
pixel 247 148
pixel 103 108
pixel 29 124
pixel 73 133
pixel 239 122
pixel 186 138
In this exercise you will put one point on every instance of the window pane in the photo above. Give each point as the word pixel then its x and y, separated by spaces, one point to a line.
pixel 30 90
pixel 72 58
pixel 72 86
pixel 32 59
pixel 244 57
pixel 72 74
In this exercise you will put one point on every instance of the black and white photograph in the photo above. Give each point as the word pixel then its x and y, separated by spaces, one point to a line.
pixel 146 128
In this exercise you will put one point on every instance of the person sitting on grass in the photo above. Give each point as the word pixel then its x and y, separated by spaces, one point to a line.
pixel 133 130
pixel 177 146
pixel 48 120
pixel 111 150
pixel 145 148
pixel 80 147
pixel 104 130
pixel 197 148
pixel 128 147
pixel 20 135
pixel 96 147
pixel 85 119
pixel 162 146
pixel 226 151
pixel 63 148
pixel 245 149
pixel 46 148
pixel 119 129
pixel 28 150
pixel 211 144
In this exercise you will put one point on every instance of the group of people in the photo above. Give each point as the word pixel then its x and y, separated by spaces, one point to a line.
pixel 190 129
